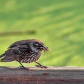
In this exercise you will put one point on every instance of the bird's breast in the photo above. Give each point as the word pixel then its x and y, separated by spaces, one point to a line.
pixel 32 57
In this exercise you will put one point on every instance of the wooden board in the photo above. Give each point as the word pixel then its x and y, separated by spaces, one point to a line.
pixel 51 75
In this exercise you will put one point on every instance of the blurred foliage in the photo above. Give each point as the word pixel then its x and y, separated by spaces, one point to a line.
pixel 59 25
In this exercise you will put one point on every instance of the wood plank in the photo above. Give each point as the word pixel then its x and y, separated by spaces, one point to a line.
pixel 51 75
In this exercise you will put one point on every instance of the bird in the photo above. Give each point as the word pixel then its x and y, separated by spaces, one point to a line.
pixel 24 51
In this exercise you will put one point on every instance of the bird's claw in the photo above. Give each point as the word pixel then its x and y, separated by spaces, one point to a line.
pixel 41 66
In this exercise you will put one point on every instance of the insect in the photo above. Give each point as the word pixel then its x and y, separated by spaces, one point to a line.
pixel 24 51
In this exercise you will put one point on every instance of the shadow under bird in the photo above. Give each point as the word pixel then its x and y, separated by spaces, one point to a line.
pixel 24 51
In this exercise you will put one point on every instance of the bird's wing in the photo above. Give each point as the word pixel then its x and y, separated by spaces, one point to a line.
pixel 23 50
pixel 14 54
pixel 22 42
pixel 9 56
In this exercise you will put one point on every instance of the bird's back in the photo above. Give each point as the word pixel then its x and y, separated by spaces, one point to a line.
pixel 24 42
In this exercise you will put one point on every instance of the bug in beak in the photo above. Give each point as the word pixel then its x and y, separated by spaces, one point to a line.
pixel 45 48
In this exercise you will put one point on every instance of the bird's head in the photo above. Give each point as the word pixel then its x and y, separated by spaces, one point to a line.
pixel 40 45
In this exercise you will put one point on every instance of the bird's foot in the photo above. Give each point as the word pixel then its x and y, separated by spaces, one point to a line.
pixel 21 67
pixel 41 66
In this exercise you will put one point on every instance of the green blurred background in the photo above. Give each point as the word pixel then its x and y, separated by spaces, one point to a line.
pixel 59 24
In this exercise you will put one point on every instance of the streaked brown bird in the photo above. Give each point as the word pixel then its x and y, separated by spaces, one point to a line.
pixel 25 51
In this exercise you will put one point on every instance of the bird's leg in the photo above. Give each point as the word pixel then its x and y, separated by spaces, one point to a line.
pixel 41 66
pixel 24 67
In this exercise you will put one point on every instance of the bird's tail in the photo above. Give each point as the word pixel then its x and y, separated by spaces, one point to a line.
pixel 2 55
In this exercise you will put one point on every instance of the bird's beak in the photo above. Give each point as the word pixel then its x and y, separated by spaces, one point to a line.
pixel 45 48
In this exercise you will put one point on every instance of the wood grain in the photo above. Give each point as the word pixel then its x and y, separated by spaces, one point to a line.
pixel 51 75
